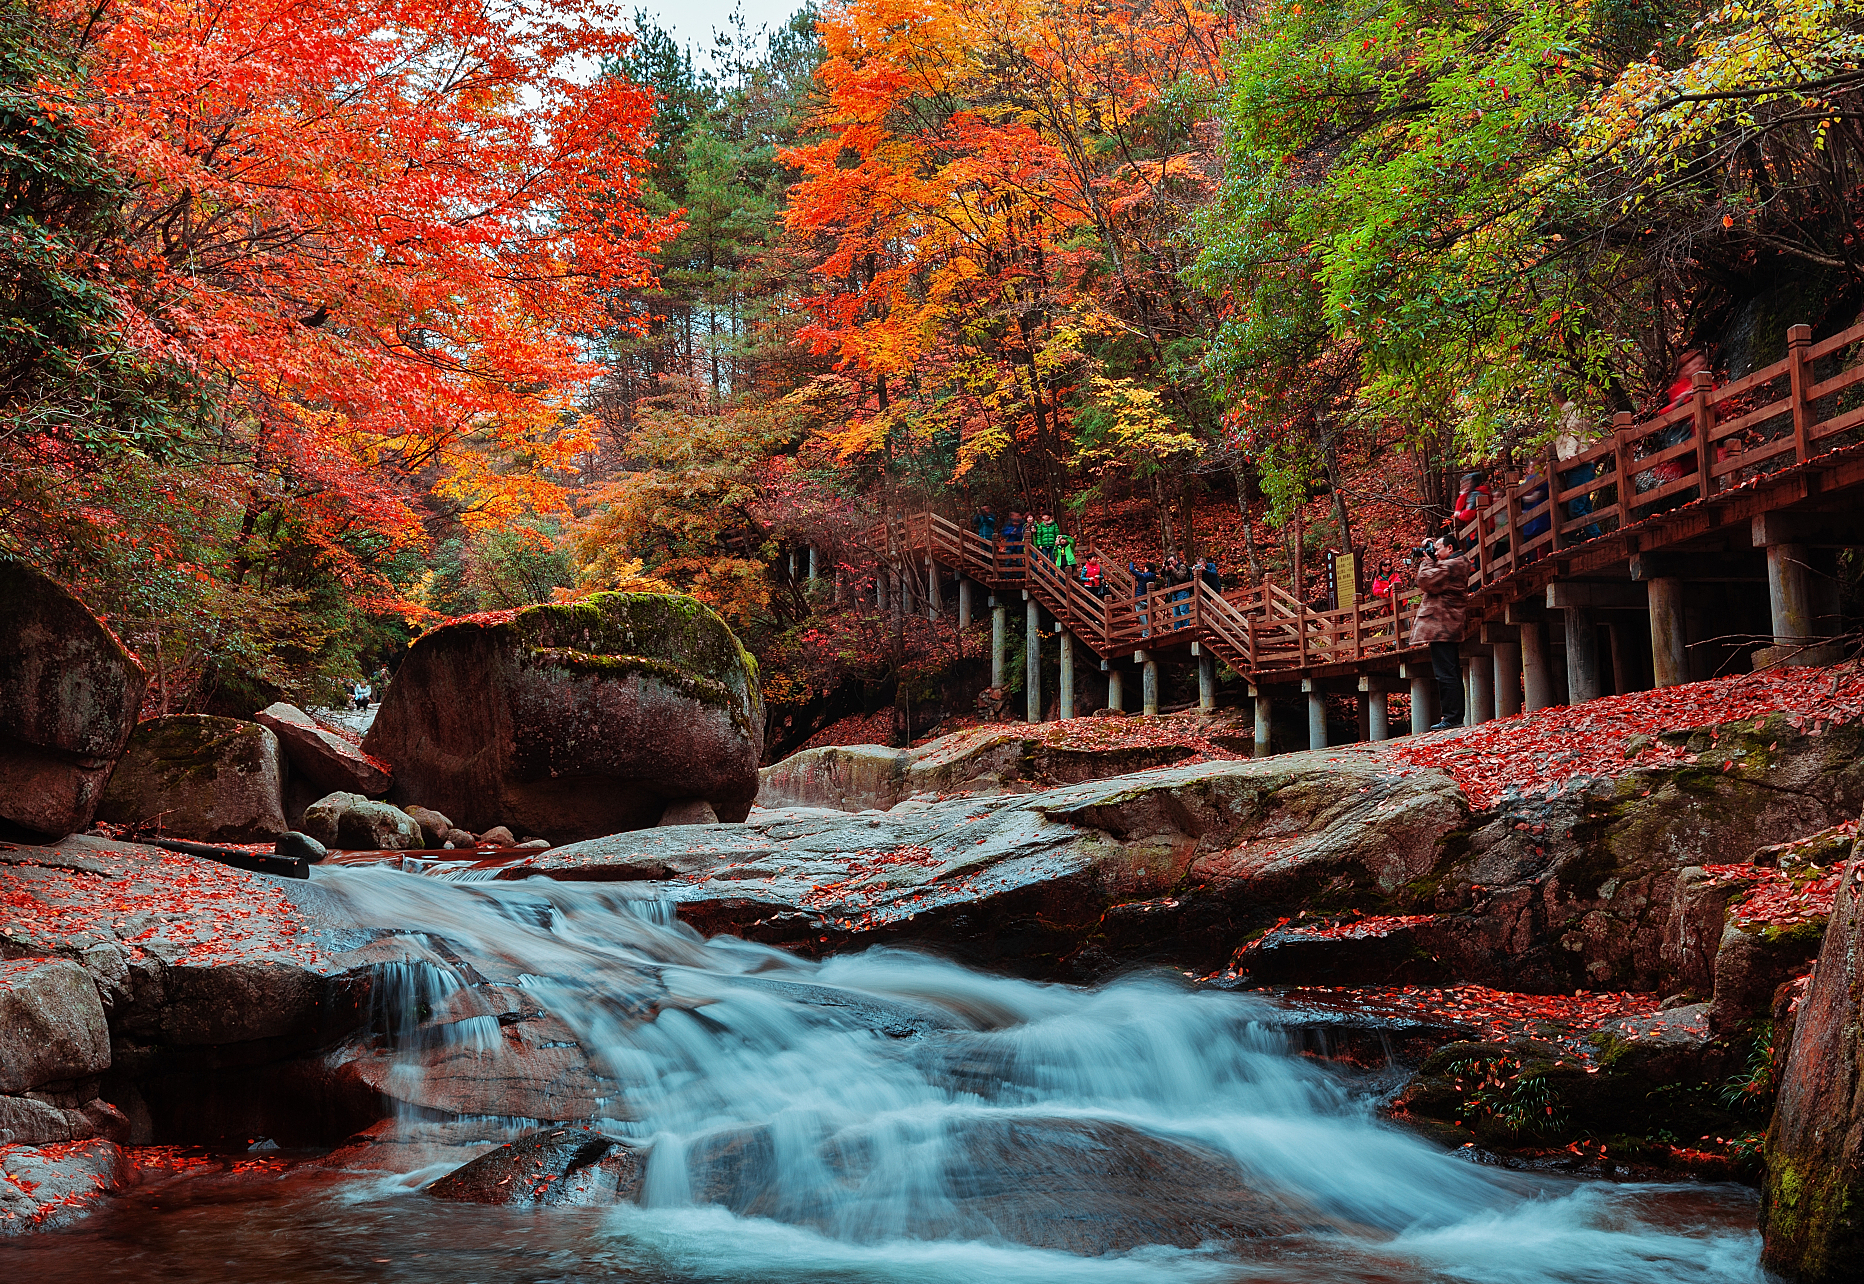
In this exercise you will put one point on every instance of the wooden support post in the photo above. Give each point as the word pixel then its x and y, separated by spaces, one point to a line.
pixel 1481 702
pixel 1265 724
pixel 814 560
pixel 792 564
pixel 1423 696
pixel 1508 678
pixel 1669 653
pixel 1789 594
pixel 1149 687
pixel 934 607
pixel 1582 655
pixel 1556 511
pixel 999 628
pixel 1032 657
pixel 1622 425
pixel 1316 717
pixel 1799 374
pixel 1064 693
pixel 1701 422
pixel 1536 671
pixel 1206 679
pixel 964 602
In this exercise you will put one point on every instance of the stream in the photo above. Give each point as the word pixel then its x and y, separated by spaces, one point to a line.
pixel 888 1116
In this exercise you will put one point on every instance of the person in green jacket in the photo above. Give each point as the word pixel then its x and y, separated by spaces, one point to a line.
pixel 1064 552
pixel 1047 533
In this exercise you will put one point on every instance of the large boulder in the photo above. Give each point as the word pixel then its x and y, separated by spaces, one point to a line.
pixel 1812 1201
pixel 201 777
pixel 322 756
pixel 69 695
pixel 575 720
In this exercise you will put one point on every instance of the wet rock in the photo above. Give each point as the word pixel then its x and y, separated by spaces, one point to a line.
pixel 1390 950
pixel 327 759
pixel 499 836
pixel 550 1168
pixel 691 811
pixel 295 846
pixel 69 696
pixel 353 823
pixel 31 1121
pixel 1086 1187
pixel 570 721
pixel 55 1187
pixel 435 827
pixel 52 1027
pixel 1181 860
pixel 216 780
pixel 1814 1187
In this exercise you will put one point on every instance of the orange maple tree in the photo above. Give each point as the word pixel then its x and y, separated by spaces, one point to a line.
pixel 376 230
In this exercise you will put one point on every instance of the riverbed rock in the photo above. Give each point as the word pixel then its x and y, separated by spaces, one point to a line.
pixel 1811 1200
pixel 550 1168
pixel 214 780
pixel 354 823
pixel 52 1027
pixel 499 836
pixel 991 759
pixel 573 720
pixel 49 1189
pixel 1177 862
pixel 325 758
pixel 1081 1186
pixel 434 827
pixel 69 696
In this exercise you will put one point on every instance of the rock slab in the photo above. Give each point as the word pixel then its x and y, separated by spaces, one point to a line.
pixel 1812 1201
pixel 69 696
pixel 52 1026
pixel 322 756
pixel 571 721
pixel 215 780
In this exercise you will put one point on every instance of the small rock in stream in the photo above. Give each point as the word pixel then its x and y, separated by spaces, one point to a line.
pixel 553 1167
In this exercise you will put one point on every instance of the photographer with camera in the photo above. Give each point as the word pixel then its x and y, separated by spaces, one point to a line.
pixel 1443 575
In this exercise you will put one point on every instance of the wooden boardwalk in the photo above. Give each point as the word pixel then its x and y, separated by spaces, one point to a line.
pixel 1739 485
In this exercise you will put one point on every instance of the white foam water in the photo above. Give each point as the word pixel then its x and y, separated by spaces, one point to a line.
pixel 844 1109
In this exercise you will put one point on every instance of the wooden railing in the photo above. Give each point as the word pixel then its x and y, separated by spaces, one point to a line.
pixel 1720 439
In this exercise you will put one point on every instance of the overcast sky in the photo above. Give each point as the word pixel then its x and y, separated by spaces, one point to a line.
pixel 693 21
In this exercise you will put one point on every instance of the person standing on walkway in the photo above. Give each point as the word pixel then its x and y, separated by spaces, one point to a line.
pixel 1064 553
pixel 1144 577
pixel 1047 535
pixel 1013 541
pixel 1443 575
pixel 985 524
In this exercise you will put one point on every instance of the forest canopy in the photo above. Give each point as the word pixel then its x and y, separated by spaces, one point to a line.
pixel 331 319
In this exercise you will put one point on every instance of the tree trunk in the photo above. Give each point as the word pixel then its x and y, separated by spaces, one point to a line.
pixel 1244 485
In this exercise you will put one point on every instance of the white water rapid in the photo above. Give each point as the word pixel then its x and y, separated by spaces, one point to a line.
pixel 889 1115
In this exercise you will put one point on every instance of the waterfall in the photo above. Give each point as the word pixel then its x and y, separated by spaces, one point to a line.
pixel 891 1111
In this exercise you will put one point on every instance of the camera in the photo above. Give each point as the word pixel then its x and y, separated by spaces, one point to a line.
pixel 1428 549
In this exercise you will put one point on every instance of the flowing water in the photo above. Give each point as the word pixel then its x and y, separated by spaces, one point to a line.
pixel 891 1116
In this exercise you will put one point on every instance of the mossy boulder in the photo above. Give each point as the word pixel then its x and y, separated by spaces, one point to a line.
pixel 192 775
pixel 69 695
pixel 1812 1202
pixel 575 720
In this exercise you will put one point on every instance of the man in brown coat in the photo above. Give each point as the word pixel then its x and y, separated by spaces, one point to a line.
pixel 1441 618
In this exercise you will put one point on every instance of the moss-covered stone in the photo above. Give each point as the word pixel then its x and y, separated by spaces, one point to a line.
pixel 574 720
pixel 199 777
